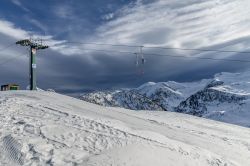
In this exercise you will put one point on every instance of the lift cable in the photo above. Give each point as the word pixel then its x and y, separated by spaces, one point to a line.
pixel 167 48
pixel 165 55
pixel 11 59
pixel 8 46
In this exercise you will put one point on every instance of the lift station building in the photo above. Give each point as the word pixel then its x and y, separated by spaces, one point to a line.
pixel 10 87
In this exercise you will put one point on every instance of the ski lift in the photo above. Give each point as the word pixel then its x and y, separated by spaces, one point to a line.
pixel 143 60
pixel 136 59
pixel 140 63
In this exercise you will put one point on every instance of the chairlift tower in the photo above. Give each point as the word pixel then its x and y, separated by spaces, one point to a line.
pixel 34 46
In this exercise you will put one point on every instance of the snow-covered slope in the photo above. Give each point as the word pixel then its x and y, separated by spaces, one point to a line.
pixel 226 98
pixel 45 128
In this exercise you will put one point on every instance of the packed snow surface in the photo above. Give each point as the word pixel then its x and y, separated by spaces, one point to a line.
pixel 45 128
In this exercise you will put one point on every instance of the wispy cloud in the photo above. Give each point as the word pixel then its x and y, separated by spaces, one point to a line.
pixel 19 4
pixel 191 24
pixel 108 16
pixel 188 23
pixel 64 11
pixel 8 28
pixel 11 31
pixel 38 24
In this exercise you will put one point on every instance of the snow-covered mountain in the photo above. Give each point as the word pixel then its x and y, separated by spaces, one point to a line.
pixel 150 96
pixel 224 98
pixel 45 128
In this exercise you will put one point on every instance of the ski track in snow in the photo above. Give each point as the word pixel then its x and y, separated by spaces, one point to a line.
pixel 44 128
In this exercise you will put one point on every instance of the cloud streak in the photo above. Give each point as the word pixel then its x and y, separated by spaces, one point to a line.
pixel 189 24
pixel 19 4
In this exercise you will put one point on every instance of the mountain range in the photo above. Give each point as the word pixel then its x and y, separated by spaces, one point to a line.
pixel 225 97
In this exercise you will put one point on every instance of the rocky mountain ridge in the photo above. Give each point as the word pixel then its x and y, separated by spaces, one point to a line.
pixel 224 97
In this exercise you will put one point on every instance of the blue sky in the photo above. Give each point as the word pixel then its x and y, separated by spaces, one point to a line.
pixel 62 17
pixel 72 68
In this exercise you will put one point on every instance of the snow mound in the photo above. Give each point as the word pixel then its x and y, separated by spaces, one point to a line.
pixel 44 128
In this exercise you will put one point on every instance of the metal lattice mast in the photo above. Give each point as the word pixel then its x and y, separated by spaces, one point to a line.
pixel 34 46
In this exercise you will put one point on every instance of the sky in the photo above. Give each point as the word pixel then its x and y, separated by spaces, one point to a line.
pixel 76 32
